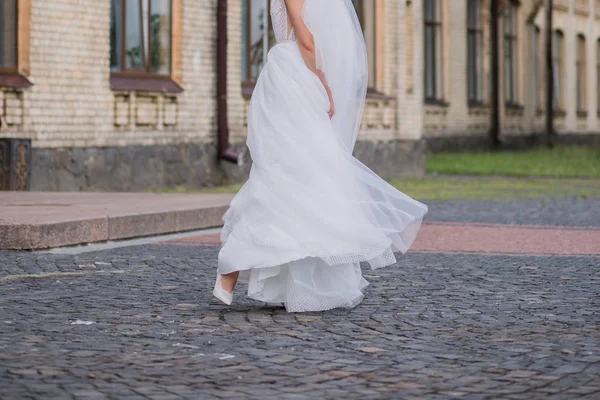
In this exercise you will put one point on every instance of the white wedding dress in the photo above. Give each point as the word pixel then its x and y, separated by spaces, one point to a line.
pixel 310 212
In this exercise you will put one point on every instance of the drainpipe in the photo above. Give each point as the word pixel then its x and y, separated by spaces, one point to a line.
pixel 224 151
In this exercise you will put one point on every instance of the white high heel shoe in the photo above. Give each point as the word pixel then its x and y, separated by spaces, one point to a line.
pixel 221 293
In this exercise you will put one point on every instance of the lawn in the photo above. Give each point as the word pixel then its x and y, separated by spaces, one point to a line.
pixel 496 188
pixel 502 176
pixel 482 188
pixel 559 162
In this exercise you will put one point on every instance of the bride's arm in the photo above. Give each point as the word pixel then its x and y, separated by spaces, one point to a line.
pixel 306 43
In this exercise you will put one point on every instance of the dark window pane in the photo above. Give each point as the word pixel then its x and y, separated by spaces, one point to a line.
pixel 160 39
pixel 245 40
pixel 429 62
pixel 116 35
pixel 536 68
pixel 557 50
pixel 580 72
pixel 430 14
pixel 133 40
pixel 598 75
pixel 472 14
pixel 472 66
pixel 507 74
pixel 8 31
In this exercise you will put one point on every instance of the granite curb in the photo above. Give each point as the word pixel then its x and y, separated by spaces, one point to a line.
pixel 35 221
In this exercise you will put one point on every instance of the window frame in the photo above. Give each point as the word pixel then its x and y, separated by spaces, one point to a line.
pixel 359 6
pixel 138 80
pixel 598 76
pixel 581 75
pixel 436 25
pixel 247 85
pixel 15 69
pixel 558 56
pixel 250 82
pixel 511 57
pixel 537 69
pixel 475 72
pixel 16 77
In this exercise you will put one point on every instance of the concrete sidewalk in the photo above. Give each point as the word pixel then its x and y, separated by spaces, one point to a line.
pixel 39 220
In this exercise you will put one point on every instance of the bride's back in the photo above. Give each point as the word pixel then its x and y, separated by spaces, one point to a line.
pixel 282 26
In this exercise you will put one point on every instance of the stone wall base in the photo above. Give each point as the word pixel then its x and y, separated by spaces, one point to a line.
pixel 393 159
pixel 185 166
pixel 509 142
pixel 132 168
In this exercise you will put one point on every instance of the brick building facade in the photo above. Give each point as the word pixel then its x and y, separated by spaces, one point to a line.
pixel 460 113
pixel 123 95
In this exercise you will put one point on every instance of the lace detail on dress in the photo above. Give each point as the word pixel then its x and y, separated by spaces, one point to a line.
pixel 280 21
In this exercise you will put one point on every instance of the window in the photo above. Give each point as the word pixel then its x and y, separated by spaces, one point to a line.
pixel 538 84
pixel 433 50
pixel 511 51
pixel 257 37
pixel 580 66
pixel 367 14
pixel 140 37
pixel 15 30
pixel 598 76
pixel 8 42
pixel 474 51
pixel 558 49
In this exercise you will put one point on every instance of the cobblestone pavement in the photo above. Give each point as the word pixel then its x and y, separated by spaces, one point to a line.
pixel 140 322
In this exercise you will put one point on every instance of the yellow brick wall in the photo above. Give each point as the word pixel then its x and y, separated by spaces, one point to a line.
pixel 457 119
pixel 71 103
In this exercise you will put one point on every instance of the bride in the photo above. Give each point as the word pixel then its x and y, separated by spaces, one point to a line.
pixel 310 212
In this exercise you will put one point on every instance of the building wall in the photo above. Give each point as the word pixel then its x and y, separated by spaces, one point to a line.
pixel 87 136
pixel 455 122
pixel 71 103
pixel 83 132
pixel 380 142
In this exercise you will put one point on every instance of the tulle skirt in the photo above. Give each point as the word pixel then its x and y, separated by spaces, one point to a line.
pixel 309 212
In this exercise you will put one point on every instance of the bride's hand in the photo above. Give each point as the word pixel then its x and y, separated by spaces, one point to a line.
pixel 331 108
pixel 331 104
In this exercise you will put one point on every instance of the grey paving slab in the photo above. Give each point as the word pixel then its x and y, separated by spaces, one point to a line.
pixel 39 220
pixel 436 326
pixel 555 211
pixel 140 323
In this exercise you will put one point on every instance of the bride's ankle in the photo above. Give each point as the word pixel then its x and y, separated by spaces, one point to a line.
pixel 228 281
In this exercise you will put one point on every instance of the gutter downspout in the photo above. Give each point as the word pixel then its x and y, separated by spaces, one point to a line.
pixel 223 148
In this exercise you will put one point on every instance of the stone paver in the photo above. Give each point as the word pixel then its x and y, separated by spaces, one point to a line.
pixel 140 322
pixel 483 238
pixel 40 220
